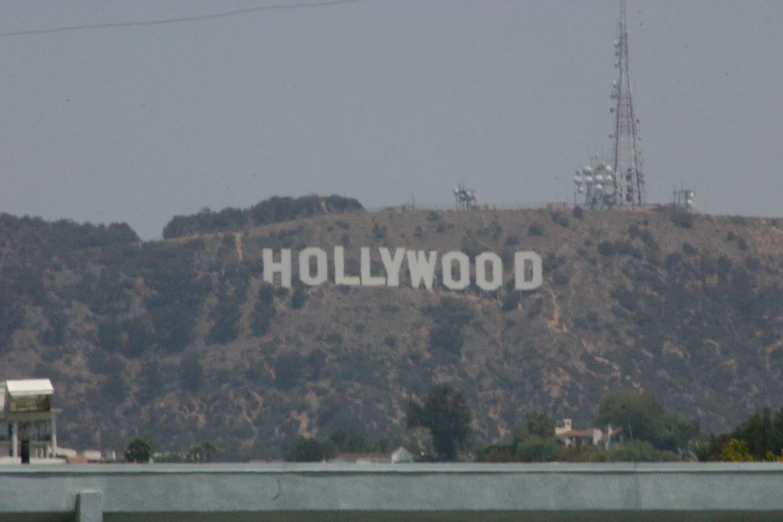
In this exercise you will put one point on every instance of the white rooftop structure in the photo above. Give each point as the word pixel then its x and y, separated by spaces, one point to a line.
pixel 25 403
pixel 27 396
pixel 29 386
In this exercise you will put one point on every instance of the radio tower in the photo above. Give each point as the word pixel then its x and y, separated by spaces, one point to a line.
pixel 629 180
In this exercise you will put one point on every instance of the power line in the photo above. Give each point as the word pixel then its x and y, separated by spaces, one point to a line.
pixel 187 19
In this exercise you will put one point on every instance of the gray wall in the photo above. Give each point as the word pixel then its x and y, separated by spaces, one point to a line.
pixel 394 492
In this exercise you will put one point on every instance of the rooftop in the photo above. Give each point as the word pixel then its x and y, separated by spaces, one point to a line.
pixel 29 387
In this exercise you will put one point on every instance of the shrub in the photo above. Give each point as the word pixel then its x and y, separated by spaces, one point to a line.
pixel 446 339
pixel 298 298
pixel 379 232
pixel 578 212
pixel 272 210
pixel 683 219
pixel 606 248
pixel 264 311
pixel 560 219
pixel 510 301
pixel 512 240
pixel 689 249
pixel 288 371
pixel 535 229
pixel 191 373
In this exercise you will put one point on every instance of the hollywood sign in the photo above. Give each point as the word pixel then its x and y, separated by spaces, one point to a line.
pixel 421 265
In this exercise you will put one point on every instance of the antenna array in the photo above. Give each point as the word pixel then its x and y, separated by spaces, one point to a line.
pixel 465 199
pixel 621 182
pixel 627 156
pixel 683 199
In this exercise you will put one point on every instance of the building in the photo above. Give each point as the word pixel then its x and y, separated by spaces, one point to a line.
pixel 570 437
pixel 401 456
pixel 398 456
pixel 28 423
pixel 363 458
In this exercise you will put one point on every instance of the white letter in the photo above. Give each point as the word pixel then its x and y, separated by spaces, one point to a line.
pixel 464 270
pixel 283 267
pixel 519 271
pixel 420 268
pixel 304 266
pixel 367 278
pixel 339 269
pixel 392 265
pixel 481 271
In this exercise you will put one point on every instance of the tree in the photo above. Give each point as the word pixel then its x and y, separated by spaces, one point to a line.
pixel 446 414
pixel 642 417
pixel 538 424
pixel 496 452
pixel 201 453
pixel 311 450
pixel 536 441
pixel 208 451
pixel 537 449
pixel 640 451
pixel 736 451
pixel 349 442
pixel 139 450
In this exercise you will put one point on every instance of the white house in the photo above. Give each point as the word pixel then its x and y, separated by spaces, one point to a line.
pixel 569 437
pixel 401 456
pixel 27 417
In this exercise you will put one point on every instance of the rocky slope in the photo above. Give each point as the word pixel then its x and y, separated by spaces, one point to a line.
pixel 181 339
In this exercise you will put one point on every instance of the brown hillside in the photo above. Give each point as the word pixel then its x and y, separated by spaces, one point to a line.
pixel 180 340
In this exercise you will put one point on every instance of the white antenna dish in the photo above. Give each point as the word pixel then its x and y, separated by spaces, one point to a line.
pixel 609 190
pixel 589 180
pixel 599 187
pixel 609 168
pixel 587 170
pixel 598 178
pixel 578 179
pixel 581 189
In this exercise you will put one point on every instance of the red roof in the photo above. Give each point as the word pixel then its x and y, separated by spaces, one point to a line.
pixel 585 433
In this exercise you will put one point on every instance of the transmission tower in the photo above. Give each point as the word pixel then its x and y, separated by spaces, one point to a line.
pixel 629 179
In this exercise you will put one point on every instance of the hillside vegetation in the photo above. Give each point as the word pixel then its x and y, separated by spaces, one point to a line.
pixel 181 339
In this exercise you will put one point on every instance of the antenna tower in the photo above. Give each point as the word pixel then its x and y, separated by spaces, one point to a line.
pixel 464 198
pixel 629 180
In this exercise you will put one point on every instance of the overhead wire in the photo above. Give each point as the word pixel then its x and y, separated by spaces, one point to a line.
pixel 187 19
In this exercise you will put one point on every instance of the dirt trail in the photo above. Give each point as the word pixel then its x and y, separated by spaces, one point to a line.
pixel 238 245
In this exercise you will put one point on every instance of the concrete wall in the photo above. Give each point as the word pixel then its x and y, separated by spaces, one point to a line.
pixel 380 492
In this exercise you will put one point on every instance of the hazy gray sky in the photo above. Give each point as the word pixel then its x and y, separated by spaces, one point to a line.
pixel 377 100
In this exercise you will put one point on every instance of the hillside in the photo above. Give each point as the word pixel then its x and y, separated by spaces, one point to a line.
pixel 182 340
